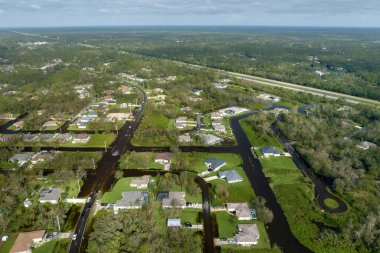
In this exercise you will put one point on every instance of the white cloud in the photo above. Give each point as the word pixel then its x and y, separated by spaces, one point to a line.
pixel 35 7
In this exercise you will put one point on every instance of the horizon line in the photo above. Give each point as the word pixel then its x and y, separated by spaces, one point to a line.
pixel 190 26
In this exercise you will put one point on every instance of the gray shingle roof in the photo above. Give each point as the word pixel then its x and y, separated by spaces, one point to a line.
pixel 214 163
pixel 230 175
pixel 269 150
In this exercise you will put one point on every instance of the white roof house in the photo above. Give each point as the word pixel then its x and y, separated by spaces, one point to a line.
pixel 366 145
pixel 210 139
pixel 174 223
pixel 50 195
pixel 131 200
pixel 140 182
pixel 22 158
pixel 248 235
pixel 220 128
pixel 241 210
pixel 229 111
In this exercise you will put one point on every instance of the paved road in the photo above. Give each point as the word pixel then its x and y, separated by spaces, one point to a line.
pixel 102 178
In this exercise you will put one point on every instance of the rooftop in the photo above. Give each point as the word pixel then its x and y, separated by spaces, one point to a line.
pixel 247 233
pixel 213 163
pixel 25 240
pixel 174 222
pixel 230 175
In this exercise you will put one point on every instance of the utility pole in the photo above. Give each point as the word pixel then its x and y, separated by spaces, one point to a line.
pixel 93 162
pixel 59 225
pixel 105 146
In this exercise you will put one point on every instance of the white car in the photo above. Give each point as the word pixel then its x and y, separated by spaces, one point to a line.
pixel 74 237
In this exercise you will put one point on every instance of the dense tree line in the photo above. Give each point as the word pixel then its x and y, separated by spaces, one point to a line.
pixel 135 231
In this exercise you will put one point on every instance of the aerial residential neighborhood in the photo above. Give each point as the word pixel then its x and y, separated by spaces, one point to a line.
pixel 188 127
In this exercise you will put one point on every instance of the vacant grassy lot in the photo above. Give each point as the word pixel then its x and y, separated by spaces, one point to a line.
pixel 227 224
pixel 282 170
pixel 190 215
pixel 53 246
pixel 96 141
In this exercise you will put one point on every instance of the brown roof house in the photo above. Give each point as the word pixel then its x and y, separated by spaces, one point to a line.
pixel 164 159
pixel 26 240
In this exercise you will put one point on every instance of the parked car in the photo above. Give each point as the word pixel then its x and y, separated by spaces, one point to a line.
pixel 74 237
pixel 188 224
pixel 223 239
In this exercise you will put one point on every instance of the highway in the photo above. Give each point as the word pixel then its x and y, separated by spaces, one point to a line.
pixel 274 83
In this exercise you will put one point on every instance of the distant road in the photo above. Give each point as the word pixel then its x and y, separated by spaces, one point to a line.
pixel 274 83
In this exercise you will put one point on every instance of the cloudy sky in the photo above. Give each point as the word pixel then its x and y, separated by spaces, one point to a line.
pixel 21 13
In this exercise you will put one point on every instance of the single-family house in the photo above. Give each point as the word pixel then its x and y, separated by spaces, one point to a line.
pixel 180 122
pixel 7 116
pixel 81 138
pixel 241 210
pixel 174 224
pixel 26 240
pixel 125 89
pixel 231 176
pixel 18 124
pixel 51 123
pixel 220 85
pixel 366 145
pixel 197 91
pixel 216 115
pixel 171 199
pixel 163 158
pixel 41 157
pixel 131 200
pixel 210 139
pixel 232 111
pixel 214 164
pixel 140 183
pixel 30 137
pixel 50 195
pixel 270 151
pixel 269 97
pixel 185 138
pixel 22 158
pixel 158 90
pixel 119 116
pixel 248 235
pixel 64 138
pixel 220 128
pixel 48 137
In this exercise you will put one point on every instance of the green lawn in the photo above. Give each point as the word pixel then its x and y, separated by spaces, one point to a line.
pixel 53 246
pixel 331 203
pixel 190 215
pixel 120 186
pixel 227 224
pixel 238 192
pixel 139 161
pixel 282 170
pixel 197 160
pixel 96 141
pixel 6 247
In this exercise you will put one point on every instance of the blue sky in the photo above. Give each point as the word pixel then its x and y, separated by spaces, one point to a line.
pixel 21 13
